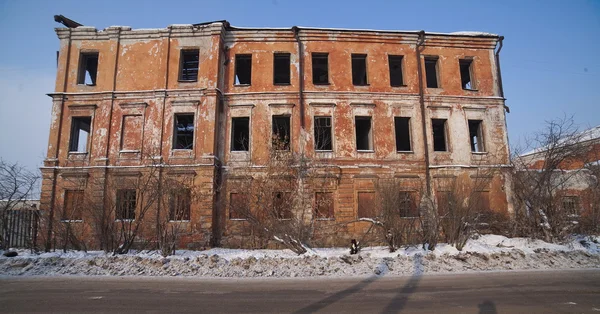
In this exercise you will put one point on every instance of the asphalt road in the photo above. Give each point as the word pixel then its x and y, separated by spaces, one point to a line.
pixel 575 291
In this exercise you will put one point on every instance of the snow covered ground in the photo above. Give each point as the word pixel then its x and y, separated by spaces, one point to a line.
pixel 486 253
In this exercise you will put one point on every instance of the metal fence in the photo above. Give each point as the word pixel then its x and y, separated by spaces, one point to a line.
pixel 19 228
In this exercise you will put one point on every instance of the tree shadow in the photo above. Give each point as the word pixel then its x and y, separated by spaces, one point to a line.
pixel 487 307
pixel 399 301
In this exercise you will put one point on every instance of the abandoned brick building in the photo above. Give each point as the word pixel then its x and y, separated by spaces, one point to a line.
pixel 205 101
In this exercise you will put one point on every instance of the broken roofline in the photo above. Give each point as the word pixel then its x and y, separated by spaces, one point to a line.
pixel 228 26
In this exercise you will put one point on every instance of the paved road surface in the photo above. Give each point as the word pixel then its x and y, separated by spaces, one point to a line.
pixel 576 291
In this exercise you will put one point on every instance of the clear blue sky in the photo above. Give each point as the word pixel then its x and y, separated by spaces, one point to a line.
pixel 550 60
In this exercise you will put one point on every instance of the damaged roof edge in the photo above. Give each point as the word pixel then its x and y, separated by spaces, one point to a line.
pixel 72 24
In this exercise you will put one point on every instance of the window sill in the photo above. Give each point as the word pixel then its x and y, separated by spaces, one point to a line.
pixel 365 151
pixel 398 86
pixel 129 151
pixel 242 85
pixel 78 153
pixel 325 219
pixel 321 84
pixel 187 81
pixel 178 150
pixel 238 219
pixel 71 221
pixel 83 84
pixel 479 153
pixel 323 151
pixel 470 90
pixel 361 85
pixel 405 152
pixel 282 84
pixel 441 151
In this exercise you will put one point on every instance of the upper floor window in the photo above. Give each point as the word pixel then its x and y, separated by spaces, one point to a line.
pixel 396 75
pixel 240 134
pixel 281 68
pixel 402 128
pixel 439 135
pixel 88 68
pixel 323 137
pixel 364 133
pixel 476 136
pixel 432 71
pixel 183 131
pixel 281 133
pixel 243 69
pixel 466 73
pixel 320 67
pixel 359 69
pixel 80 134
pixel 189 61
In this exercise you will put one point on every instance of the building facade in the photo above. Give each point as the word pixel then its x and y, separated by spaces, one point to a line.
pixel 204 104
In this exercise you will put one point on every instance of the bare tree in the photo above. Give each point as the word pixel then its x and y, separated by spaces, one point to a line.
pixel 17 184
pixel 540 177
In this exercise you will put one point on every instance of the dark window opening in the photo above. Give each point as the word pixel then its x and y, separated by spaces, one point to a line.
pixel 570 205
pixel 323 133
pixel 281 68
pixel 359 69
pixel 188 67
pixel 88 68
pixel 324 205
pixel 240 134
pixel 282 204
pixel 73 205
pixel 465 73
pixel 364 136
pixel 439 135
pixel 126 200
pixel 408 206
pixel 80 134
pixel 281 133
pixel 431 72
pixel 238 206
pixel 402 126
pixel 243 69
pixel 179 205
pixel 476 136
pixel 396 78
pixel 320 67
pixel 366 205
pixel 183 133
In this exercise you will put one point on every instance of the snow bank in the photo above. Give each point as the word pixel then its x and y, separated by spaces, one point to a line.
pixel 486 253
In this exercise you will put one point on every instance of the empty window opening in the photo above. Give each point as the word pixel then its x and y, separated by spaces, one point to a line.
pixel 396 77
pixel 281 133
pixel 431 72
pixel 73 205
pixel 359 69
pixel 183 133
pixel 188 67
pixel 408 207
pixel 243 69
pixel 179 205
pixel 402 126
pixel 320 67
pixel 476 136
pixel 364 134
pixel 281 68
pixel 439 135
pixel 466 70
pixel 323 133
pixel 80 134
pixel 570 205
pixel 240 134
pixel 366 205
pixel 324 205
pixel 238 206
pixel 282 204
pixel 88 68
pixel 126 200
